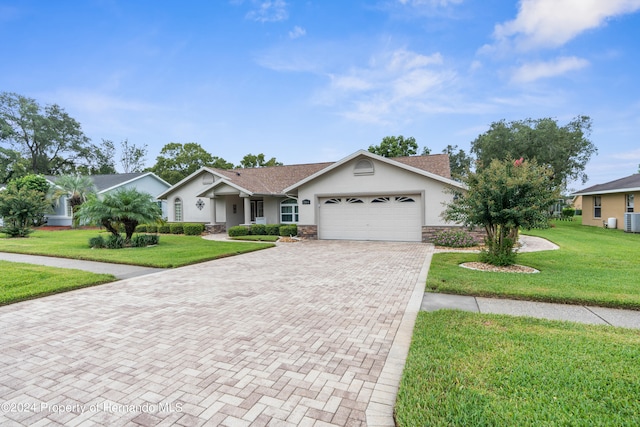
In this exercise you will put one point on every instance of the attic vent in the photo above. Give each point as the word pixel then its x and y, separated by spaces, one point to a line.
pixel 207 179
pixel 363 167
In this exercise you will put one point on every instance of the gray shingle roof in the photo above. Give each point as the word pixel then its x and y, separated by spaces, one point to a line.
pixel 616 186
pixel 102 182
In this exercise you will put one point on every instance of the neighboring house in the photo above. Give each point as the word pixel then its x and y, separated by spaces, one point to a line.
pixel 609 200
pixel 2 187
pixel 361 197
pixel 146 182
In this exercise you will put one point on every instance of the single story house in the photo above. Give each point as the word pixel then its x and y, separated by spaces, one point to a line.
pixel 610 200
pixel 361 197
pixel 146 182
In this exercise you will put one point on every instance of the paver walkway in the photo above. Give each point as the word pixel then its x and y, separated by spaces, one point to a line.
pixel 301 334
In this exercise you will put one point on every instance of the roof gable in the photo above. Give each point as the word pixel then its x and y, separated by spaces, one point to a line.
pixel 628 183
pixel 104 183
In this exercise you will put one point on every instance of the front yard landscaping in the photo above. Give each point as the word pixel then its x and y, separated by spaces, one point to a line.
pixel 593 266
pixel 173 250
pixel 25 281
pixel 469 369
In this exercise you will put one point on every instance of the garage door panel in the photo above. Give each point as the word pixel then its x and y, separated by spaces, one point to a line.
pixel 395 218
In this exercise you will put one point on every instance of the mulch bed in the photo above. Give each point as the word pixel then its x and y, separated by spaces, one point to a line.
pixel 496 269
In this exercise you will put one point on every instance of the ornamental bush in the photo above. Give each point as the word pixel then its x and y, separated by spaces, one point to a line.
pixel 258 230
pixel 114 241
pixel 97 242
pixel 568 212
pixel 272 229
pixel 454 239
pixel 164 229
pixel 289 230
pixel 176 228
pixel 152 228
pixel 193 229
pixel 142 228
pixel 239 230
pixel 142 240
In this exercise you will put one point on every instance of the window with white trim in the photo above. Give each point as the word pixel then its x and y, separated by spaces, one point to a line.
pixel 69 208
pixel 177 210
pixel 289 211
pixel 630 203
pixel 597 206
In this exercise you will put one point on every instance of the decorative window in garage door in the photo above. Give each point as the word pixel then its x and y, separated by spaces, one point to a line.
pixel 333 201
pixel 381 200
pixel 404 199
pixel 354 200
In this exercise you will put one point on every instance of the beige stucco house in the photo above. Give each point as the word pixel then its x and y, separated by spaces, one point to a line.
pixel 610 200
pixel 361 197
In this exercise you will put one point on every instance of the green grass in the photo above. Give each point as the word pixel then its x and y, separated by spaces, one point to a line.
pixel 25 281
pixel 257 238
pixel 593 266
pixel 469 369
pixel 173 250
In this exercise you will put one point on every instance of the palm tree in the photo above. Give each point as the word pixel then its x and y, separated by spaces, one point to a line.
pixel 125 207
pixel 77 189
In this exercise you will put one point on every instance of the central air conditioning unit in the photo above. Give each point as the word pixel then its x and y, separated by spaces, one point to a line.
pixel 632 222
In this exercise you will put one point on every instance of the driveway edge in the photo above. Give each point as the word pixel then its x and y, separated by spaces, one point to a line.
pixel 379 411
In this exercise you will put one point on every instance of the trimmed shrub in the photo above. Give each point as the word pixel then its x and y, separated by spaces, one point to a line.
pixel 164 229
pixel 152 228
pixel 454 239
pixel 568 212
pixel 193 229
pixel 176 228
pixel 258 230
pixel 499 255
pixel 272 229
pixel 114 242
pixel 239 230
pixel 142 240
pixel 141 228
pixel 288 230
pixel 97 242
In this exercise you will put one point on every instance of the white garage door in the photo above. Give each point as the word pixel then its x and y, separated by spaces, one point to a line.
pixel 396 218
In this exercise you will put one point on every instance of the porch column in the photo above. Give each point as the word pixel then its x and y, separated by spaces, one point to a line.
pixel 213 210
pixel 247 210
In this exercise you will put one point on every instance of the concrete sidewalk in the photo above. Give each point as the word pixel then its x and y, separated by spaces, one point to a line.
pixel 543 310
pixel 121 271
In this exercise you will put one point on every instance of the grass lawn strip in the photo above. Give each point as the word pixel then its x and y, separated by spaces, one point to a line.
pixel 479 369
pixel 173 250
pixel 26 281
pixel 593 266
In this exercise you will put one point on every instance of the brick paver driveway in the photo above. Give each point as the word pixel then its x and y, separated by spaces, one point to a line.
pixel 300 334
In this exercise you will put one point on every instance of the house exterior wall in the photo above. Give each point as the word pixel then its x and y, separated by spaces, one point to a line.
pixel 234 216
pixel 59 215
pixel 188 194
pixel 614 205
pixel 386 179
pixel 272 209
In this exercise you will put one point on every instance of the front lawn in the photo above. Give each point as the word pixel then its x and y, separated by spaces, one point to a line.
pixel 173 250
pixel 469 369
pixel 25 281
pixel 593 266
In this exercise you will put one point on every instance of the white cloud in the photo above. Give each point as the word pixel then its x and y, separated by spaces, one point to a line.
pixel 539 70
pixel 633 155
pixel 297 32
pixel 269 11
pixel 552 23
pixel 432 3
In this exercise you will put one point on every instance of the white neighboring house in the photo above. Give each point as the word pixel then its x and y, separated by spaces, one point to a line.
pixel 2 187
pixel 146 182
pixel 361 197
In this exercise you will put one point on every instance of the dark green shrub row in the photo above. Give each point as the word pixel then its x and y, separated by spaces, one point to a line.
pixel 454 239
pixel 263 230
pixel 118 242
pixel 568 212
pixel 194 229
pixel 190 229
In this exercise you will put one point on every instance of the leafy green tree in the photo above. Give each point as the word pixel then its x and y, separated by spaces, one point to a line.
pixel 12 165
pixel 33 182
pixel 20 208
pixel 258 161
pixel 76 189
pixel 395 146
pixel 50 139
pixel 459 161
pixel 425 151
pixel 504 197
pixel 566 149
pixel 124 208
pixel 177 161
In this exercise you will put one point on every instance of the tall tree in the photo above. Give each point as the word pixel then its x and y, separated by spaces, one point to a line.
pixel 566 149
pixel 20 208
pixel 132 157
pixel 12 165
pixel 77 189
pixel 48 137
pixel 177 161
pixel 395 146
pixel 459 161
pixel 258 161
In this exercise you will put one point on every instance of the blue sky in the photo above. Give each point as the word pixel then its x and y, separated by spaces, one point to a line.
pixel 312 81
